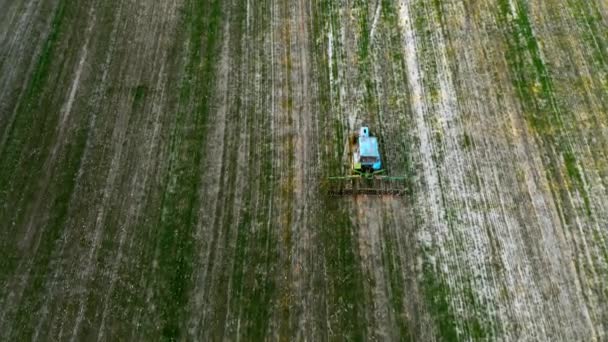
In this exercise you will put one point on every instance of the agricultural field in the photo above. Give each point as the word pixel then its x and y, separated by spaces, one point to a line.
pixel 162 170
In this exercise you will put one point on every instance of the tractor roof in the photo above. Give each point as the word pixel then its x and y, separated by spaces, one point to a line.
pixel 368 147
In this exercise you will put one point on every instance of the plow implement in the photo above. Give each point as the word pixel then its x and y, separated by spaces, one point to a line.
pixel 360 185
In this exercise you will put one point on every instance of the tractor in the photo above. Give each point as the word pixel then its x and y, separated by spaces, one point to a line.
pixel 367 174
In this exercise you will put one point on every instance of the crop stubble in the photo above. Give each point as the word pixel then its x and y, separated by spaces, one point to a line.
pixel 161 167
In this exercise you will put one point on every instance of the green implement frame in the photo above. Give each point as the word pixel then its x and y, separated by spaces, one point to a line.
pixel 366 184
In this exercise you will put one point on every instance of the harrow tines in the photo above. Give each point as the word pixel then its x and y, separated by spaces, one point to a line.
pixel 340 186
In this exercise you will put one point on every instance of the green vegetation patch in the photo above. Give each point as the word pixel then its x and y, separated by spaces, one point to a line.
pixel 346 296
pixel 438 299
pixel 181 196
pixel 254 270
pixel 397 286
pixel 24 128
pixel 343 282
pixel 22 157
pixel 62 189
pixel 532 79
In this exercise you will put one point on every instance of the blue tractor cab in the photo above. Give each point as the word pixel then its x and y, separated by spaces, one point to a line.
pixel 365 152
